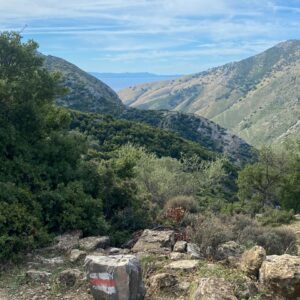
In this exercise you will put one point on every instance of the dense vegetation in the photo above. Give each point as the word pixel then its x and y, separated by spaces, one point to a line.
pixel 62 170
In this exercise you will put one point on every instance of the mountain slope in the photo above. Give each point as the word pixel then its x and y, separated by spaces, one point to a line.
pixel 85 93
pixel 88 94
pixel 257 98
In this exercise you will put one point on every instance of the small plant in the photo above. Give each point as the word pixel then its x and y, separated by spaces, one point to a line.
pixel 275 217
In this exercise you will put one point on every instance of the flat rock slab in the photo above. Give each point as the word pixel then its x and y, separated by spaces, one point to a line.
pixel 155 241
pixel 183 265
pixel 116 277
pixel 94 242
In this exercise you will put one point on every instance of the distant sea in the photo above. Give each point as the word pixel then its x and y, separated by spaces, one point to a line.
pixel 119 81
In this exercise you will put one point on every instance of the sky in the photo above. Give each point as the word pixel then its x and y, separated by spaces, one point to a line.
pixel 158 36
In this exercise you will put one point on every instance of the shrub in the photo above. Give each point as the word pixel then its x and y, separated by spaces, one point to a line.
pixel 210 233
pixel 188 203
pixel 215 230
pixel 275 217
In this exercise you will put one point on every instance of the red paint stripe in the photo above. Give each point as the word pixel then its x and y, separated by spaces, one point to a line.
pixel 106 282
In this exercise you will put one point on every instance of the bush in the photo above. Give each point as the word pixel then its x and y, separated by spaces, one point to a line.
pixel 275 217
pixel 188 203
pixel 215 230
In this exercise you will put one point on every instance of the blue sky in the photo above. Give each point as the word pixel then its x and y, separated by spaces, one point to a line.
pixel 160 36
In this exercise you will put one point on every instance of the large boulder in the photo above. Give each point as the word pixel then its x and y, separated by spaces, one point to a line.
pixel 115 277
pixel 252 260
pixel 155 241
pixel 214 289
pixel 92 243
pixel 281 273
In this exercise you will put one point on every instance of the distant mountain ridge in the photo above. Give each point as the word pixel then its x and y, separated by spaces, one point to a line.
pixel 88 94
pixel 119 81
pixel 257 98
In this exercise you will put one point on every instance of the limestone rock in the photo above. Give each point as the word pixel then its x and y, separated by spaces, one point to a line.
pixel 193 250
pixel 68 241
pixel 115 277
pixel 69 277
pixel 281 273
pixel 229 249
pixel 94 242
pixel 155 241
pixel 183 265
pixel 162 280
pixel 180 246
pixel 178 256
pixel 214 289
pixel 252 260
pixel 76 255
pixel 38 276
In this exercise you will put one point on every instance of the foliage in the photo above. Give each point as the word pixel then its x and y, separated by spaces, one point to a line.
pixel 44 190
pixel 188 203
pixel 275 217
pixel 274 179
pixel 212 231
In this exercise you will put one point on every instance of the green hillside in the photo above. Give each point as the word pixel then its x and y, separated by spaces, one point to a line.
pixel 256 98
pixel 88 94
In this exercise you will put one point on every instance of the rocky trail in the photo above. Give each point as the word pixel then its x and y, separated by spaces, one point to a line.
pixel 157 267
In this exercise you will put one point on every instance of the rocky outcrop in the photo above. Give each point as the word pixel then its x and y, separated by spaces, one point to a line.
pixel 214 289
pixel 282 275
pixel 115 277
pixel 155 241
pixel 252 260
pixel 94 242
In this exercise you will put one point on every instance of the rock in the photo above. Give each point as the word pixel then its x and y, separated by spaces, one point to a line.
pixel 193 250
pixel 94 242
pixel 112 251
pixel 177 256
pixel 161 281
pixel 184 286
pixel 38 276
pixel 115 277
pixel 69 277
pixel 76 255
pixel 214 289
pixel 155 241
pixel 183 265
pixel 252 260
pixel 281 273
pixel 180 246
pixel 247 289
pixel 68 241
pixel 229 249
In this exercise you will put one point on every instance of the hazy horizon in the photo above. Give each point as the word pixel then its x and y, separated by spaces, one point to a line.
pixel 155 36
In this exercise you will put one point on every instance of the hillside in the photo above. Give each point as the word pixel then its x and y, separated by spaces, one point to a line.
pixel 256 98
pixel 88 94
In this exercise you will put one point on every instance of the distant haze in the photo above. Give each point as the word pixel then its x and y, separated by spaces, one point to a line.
pixel 118 81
